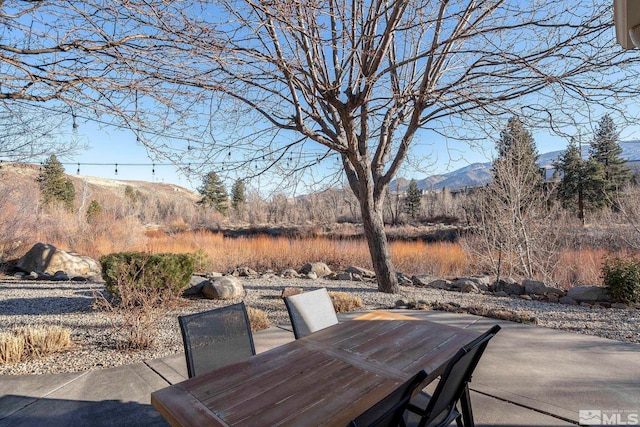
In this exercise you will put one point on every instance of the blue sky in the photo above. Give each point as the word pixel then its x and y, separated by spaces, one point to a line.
pixel 111 146
pixel 108 147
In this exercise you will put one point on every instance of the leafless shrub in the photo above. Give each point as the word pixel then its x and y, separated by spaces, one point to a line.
pixel 17 217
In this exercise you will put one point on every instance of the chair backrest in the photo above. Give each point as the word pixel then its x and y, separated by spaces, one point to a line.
pixel 216 338
pixel 389 411
pixel 310 311
pixel 456 376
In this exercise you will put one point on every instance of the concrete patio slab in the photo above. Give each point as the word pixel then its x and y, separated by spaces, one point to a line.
pixel 529 376
pixel 18 391
pixel 109 397
pixel 552 371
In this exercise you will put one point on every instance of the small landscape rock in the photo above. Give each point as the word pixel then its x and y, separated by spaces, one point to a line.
pixel 421 280
pixel 440 284
pixel 588 293
pixel 535 287
pixel 60 276
pixel 290 274
pixel 319 268
pixel 509 286
pixel 244 272
pixel 469 287
pixel 568 301
pixel 402 302
pixel 619 305
pixel 404 280
pixel 362 272
pixel 483 282
pixel 343 275
pixel 311 275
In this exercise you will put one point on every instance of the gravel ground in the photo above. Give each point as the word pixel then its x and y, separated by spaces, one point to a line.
pixel 70 305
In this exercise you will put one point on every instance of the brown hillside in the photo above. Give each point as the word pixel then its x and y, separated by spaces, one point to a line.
pixel 23 175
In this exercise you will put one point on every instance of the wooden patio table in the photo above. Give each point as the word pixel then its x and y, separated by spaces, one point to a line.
pixel 326 378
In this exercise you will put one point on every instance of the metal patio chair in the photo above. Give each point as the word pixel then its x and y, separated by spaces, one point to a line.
pixel 389 411
pixel 310 312
pixel 216 338
pixel 442 407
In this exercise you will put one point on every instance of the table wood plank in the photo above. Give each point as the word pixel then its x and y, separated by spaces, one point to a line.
pixel 326 378
pixel 384 315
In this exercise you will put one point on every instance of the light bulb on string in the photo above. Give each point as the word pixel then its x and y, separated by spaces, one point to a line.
pixel 116 169
pixel 153 169
pixel 78 171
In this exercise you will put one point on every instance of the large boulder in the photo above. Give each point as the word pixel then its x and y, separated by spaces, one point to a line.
pixel 46 258
pixel 588 293
pixel 319 268
pixel 226 287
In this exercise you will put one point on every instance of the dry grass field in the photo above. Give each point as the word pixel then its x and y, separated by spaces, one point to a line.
pixel 158 218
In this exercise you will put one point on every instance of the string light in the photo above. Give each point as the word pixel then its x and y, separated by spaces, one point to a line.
pixel 116 169
pixel 78 171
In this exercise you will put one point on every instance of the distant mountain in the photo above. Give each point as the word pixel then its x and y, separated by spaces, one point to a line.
pixel 478 174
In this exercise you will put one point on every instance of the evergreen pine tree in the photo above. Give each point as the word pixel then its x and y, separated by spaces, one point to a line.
pixel 54 185
pixel 515 170
pixel 94 211
pixel 413 200
pixel 606 150
pixel 237 194
pixel 213 193
pixel 583 182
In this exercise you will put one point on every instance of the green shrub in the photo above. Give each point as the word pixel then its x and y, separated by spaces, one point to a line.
pixel 159 272
pixel 622 278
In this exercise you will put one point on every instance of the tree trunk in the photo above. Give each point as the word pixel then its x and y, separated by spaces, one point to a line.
pixel 379 248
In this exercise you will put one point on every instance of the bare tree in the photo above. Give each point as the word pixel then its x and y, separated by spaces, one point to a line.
pixel 281 86
pixel 28 133
pixel 68 61
pixel 364 79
